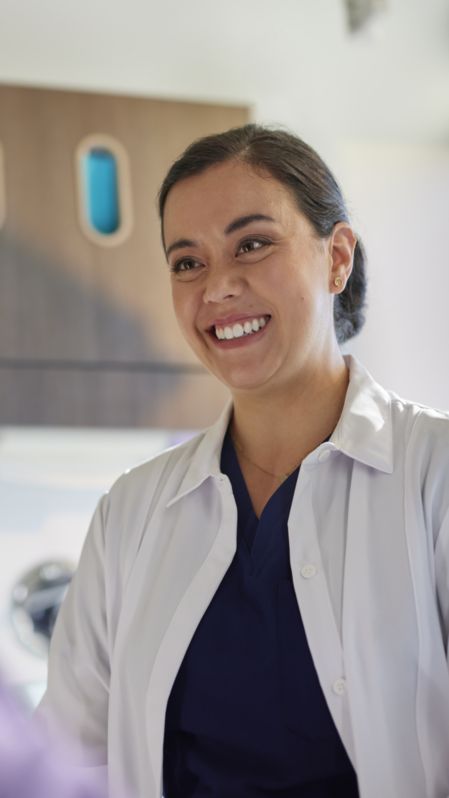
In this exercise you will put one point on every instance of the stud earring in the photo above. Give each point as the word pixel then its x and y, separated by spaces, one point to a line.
pixel 338 282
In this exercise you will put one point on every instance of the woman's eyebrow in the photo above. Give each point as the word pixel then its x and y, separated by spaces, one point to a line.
pixel 179 244
pixel 242 221
pixel 236 224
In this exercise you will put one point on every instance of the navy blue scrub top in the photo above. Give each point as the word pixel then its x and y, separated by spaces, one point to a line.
pixel 246 715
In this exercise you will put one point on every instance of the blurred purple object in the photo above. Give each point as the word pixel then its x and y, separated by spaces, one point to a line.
pixel 32 765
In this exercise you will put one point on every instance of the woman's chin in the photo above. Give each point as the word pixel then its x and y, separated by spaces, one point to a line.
pixel 241 380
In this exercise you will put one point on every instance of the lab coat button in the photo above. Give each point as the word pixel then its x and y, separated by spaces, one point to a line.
pixel 339 686
pixel 324 455
pixel 308 570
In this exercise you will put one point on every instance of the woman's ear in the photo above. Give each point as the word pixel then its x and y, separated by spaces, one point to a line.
pixel 342 243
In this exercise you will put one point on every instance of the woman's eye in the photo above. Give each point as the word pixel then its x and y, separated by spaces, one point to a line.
pixel 185 267
pixel 251 245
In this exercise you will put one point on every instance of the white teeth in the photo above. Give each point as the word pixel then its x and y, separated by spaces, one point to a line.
pixel 238 330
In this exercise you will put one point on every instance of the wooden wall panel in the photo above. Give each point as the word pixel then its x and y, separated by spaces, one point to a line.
pixel 108 397
pixel 64 298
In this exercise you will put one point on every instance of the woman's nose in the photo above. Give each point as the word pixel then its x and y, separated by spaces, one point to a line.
pixel 223 282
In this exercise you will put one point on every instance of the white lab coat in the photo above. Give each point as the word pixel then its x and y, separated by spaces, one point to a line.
pixel 369 551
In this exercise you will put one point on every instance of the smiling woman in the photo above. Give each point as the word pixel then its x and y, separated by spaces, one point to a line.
pixel 226 633
pixel 251 253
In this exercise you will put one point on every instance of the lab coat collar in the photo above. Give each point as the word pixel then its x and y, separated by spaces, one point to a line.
pixel 205 460
pixel 363 432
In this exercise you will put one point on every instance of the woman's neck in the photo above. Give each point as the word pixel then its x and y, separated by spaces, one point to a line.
pixel 277 428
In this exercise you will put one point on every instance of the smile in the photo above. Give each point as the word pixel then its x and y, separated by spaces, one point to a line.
pixel 240 329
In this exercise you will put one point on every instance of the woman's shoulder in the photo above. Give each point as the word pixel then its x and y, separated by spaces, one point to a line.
pixel 423 424
pixel 421 443
pixel 166 468
pixel 136 504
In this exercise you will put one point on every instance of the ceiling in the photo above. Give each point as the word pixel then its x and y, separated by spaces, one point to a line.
pixel 294 61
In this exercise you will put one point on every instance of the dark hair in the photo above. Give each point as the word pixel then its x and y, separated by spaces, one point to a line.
pixel 298 167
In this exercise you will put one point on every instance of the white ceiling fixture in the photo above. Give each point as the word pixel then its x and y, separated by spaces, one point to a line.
pixel 360 13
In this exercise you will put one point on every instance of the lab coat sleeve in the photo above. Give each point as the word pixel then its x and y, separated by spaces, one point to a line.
pixel 442 577
pixel 76 700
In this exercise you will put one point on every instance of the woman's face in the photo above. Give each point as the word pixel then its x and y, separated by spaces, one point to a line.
pixel 251 282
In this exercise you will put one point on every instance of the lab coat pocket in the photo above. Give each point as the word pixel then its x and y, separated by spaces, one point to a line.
pixel 303 703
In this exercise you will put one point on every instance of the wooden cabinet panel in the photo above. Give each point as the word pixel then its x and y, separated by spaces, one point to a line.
pixel 64 298
pixel 108 397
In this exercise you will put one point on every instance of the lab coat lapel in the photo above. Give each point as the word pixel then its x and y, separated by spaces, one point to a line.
pixel 222 512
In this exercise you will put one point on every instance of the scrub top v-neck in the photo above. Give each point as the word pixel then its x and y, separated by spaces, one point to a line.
pixel 246 716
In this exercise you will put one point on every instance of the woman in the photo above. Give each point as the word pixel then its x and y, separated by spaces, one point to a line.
pixel 265 609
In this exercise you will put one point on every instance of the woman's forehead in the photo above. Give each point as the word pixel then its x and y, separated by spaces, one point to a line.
pixel 222 192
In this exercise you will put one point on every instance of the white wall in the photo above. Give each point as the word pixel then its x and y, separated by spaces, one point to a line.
pixel 400 196
pixel 375 106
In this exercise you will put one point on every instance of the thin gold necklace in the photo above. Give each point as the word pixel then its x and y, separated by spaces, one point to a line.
pixel 281 477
